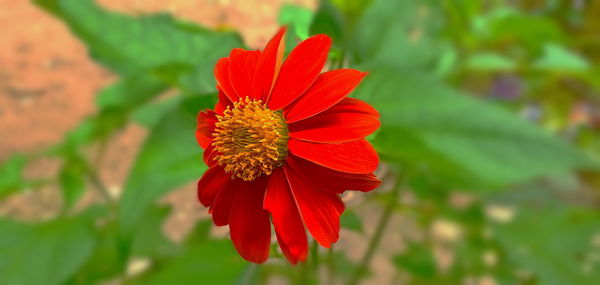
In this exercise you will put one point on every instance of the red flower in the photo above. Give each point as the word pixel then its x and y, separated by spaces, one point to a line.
pixel 282 144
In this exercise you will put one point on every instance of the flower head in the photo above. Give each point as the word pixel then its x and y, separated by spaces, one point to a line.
pixel 282 143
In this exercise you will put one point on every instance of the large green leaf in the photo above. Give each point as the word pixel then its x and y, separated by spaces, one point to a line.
pixel 72 179
pixel 169 158
pixel 115 102
pixel 560 59
pixel 210 262
pixel 399 34
pixel 129 44
pixel 11 175
pixel 418 260
pixel 555 246
pixel 47 253
pixel 298 18
pixel 148 242
pixel 457 138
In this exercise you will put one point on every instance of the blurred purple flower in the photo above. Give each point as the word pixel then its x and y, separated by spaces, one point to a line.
pixel 507 87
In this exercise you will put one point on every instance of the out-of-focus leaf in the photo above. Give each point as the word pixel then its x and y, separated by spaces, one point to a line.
pixel 11 175
pixel 511 26
pixel 103 263
pixel 149 239
pixel 490 62
pixel 352 8
pixel 399 34
pixel 349 220
pixel 418 260
pixel 148 242
pixel 328 20
pixel 115 102
pixel 47 253
pixel 298 18
pixel 557 58
pixel 192 105
pixel 129 44
pixel 200 233
pixel 460 139
pixel 345 267
pixel 210 262
pixel 554 245
pixel 130 92
pixel 169 158
pixel 150 114
pixel 72 180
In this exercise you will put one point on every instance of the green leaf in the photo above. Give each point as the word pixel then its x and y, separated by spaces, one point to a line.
pixel 458 139
pixel 103 263
pixel 328 20
pixel 11 175
pixel 399 34
pixel 530 31
pixel 352 8
pixel 129 44
pixel 212 262
pixel 169 158
pixel 418 260
pixel 150 114
pixel 554 245
pixel 557 58
pixel 149 239
pixel 116 102
pixel 47 253
pixel 490 62
pixel 349 220
pixel 298 18
pixel 72 182
pixel 130 92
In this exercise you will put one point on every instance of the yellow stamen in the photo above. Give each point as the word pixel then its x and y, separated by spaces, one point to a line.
pixel 250 139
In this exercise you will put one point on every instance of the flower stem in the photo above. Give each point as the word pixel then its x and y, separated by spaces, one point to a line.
pixel 330 266
pixel 92 173
pixel 100 187
pixel 376 239
pixel 314 252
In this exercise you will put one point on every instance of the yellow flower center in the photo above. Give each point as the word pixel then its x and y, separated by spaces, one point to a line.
pixel 250 139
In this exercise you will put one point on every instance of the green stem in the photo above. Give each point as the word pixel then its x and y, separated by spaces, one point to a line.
pixel 330 266
pixel 314 252
pixel 376 239
pixel 100 187
pixel 304 272
pixel 95 179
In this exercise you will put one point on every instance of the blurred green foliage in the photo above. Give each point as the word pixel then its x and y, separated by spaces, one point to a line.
pixel 478 99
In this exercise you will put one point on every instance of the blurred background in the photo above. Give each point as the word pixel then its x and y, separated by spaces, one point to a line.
pixel 489 140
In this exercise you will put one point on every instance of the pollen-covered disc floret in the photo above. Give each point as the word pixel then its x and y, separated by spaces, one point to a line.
pixel 250 139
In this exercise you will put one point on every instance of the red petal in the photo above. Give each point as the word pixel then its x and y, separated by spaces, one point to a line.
pixel 221 208
pixel 329 89
pixel 249 225
pixel 330 180
pixel 223 79
pixel 299 70
pixel 286 218
pixel 222 103
pixel 209 155
pixel 268 66
pixel 211 184
pixel 205 127
pixel 242 70
pixel 352 157
pixel 320 210
pixel 347 121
